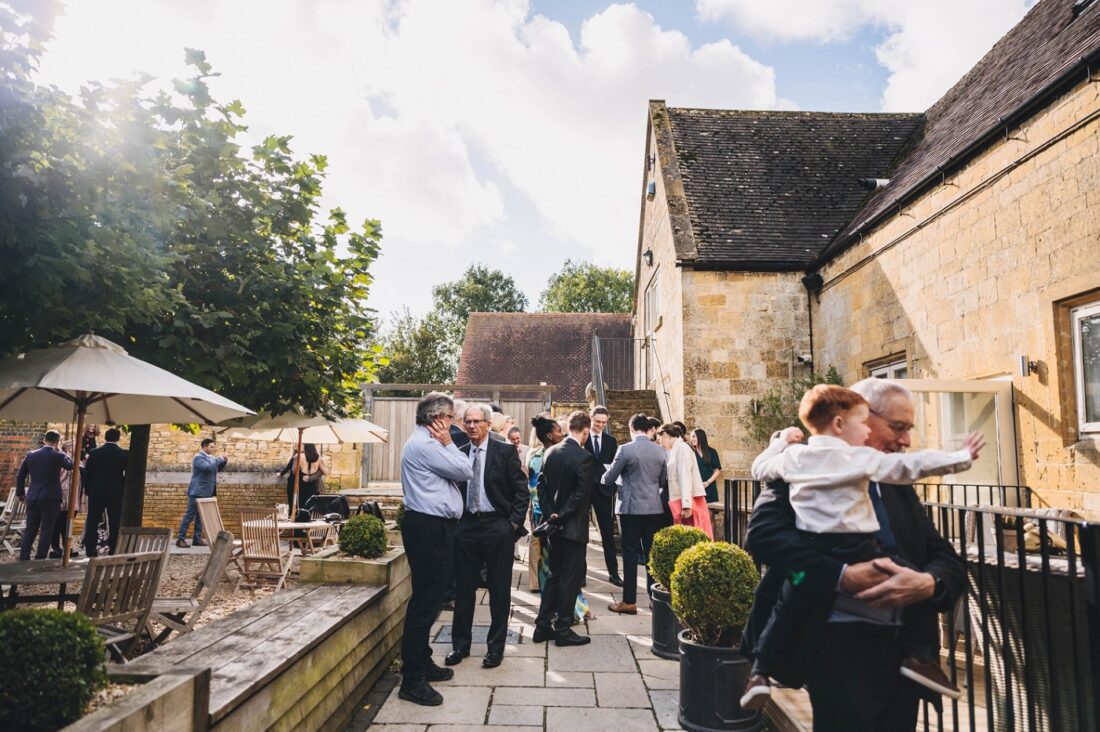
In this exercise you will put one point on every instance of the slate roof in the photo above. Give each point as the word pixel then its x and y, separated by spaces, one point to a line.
pixel 532 348
pixel 769 190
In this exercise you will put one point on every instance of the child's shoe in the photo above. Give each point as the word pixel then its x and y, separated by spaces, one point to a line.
pixel 929 675
pixel 758 691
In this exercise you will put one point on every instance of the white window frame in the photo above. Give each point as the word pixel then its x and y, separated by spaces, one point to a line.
pixel 893 370
pixel 1075 316
pixel 652 304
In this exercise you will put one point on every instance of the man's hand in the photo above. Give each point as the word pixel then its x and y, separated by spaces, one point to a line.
pixel 791 435
pixel 440 432
pixel 685 512
pixel 859 577
pixel 904 587
pixel 553 518
pixel 22 499
pixel 974 443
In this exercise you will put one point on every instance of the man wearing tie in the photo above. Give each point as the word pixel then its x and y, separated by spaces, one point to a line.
pixel 43 466
pixel 602 445
pixel 496 500
pixel 104 481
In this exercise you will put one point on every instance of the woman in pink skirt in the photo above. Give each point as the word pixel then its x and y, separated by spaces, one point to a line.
pixel 687 498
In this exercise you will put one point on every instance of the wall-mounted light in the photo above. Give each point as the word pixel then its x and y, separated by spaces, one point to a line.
pixel 1027 368
pixel 647 256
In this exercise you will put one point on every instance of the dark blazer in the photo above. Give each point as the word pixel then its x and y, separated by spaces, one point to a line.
pixel 459 437
pixel 565 487
pixel 608 447
pixel 105 471
pixel 505 483
pixel 43 466
pixel 773 540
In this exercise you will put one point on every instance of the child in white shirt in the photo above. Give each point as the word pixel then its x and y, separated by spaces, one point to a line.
pixel 829 480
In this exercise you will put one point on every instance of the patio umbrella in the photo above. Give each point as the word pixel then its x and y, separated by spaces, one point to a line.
pixel 297 428
pixel 92 379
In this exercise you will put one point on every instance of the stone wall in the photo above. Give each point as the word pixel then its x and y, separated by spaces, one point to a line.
pixel 980 271
pixel 16 440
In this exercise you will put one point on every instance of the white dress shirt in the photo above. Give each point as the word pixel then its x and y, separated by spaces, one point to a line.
pixel 828 479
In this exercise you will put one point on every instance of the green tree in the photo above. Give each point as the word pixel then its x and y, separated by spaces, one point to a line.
pixel 778 408
pixel 582 287
pixel 415 351
pixel 479 290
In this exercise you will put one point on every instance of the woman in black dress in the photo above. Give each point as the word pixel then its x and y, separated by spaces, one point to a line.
pixel 710 467
pixel 311 476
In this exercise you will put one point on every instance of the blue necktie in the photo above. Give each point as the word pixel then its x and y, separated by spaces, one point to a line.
pixel 885 535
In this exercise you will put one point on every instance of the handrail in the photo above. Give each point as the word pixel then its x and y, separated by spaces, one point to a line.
pixel 597 371
pixel 662 391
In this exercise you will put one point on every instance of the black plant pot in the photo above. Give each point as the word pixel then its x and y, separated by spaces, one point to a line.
pixel 666 626
pixel 711 682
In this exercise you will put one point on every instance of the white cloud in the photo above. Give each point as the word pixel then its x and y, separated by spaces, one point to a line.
pixel 929 45
pixel 467 126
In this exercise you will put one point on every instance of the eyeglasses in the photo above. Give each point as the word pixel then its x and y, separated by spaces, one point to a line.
pixel 474 421
pixel 898 428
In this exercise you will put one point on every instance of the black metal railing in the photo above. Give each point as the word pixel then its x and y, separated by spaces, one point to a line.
pixel 1024 641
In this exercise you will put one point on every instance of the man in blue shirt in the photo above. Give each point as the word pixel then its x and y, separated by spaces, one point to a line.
pixel 431 469
pixel 204 483
pixel 43 466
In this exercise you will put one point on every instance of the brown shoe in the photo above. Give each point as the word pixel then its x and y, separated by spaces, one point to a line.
pixel 198 542
pixel 182 544
pixel 758 691
pixel 623 608
pixel 930 676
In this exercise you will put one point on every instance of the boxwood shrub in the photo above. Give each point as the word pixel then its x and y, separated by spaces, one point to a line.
pixel 668 543
pixel 363 536
pixel 51 665
pixel 400 515
pixel 712 590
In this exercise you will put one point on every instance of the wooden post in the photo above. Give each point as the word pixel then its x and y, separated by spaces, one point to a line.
pixel 365 463
pixel 74 482
pixel 297 477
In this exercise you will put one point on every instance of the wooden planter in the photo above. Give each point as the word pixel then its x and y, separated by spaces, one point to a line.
pixel 325 566
pixel 175 701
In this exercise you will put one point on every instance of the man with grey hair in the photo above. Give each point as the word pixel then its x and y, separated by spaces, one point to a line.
pixel 850 663
pixel 431 469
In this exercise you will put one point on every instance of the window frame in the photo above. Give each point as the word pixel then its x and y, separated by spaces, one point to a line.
pixel 889 369
pixel 1083 310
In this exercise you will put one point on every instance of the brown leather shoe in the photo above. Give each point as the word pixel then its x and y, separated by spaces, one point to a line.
pixel 623 608
pixel 198 542
pixel 182 544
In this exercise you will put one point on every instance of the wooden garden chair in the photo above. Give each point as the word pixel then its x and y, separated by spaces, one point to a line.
pixel 138 540
pixel 211 518
pixel 12 523
pixel 324 536
pixel 181 613
pixel 262 556
pixel 117 596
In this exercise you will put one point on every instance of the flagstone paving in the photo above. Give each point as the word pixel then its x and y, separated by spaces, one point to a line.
pixel 615 682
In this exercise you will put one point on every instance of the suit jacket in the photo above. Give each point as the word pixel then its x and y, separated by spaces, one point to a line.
pixel 642 465
pixel 608 448
pixel 459 437
pixel 105 471
pixel 505 484
pixel 43 466
pixel 565 487
pixel 772 539
pixel 204 474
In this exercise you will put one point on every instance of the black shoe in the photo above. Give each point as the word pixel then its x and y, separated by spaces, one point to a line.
pixel 455 657
pixel 448 605
pixel 420 692
pixel 55 554
pixel 492 660
pixel 438 673
pixel 541 634
pixel 569 638
pixel 615 580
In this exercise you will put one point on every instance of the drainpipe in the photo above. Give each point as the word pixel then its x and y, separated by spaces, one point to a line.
pixel 813 283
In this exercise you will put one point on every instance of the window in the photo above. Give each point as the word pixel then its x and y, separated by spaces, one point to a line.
pixel 892 370
pixel 652 306
pixel 1085 323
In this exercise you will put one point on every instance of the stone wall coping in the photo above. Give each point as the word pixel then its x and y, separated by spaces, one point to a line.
pixel 229 477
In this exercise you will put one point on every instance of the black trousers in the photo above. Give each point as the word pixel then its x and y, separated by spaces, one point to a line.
pixel 482 539
pixel 429 543
pixel 604 507
pixel 559 595
pixel 854 682
pixel 97 505
pixel 637 534
pixel 41 516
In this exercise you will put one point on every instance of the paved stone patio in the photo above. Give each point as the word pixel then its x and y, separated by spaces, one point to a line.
pixel 615 682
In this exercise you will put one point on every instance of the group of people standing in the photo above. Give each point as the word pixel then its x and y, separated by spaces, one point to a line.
pixel 468 494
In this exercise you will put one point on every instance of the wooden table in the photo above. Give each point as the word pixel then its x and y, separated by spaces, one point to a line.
pixel 40 572
pixel 304 543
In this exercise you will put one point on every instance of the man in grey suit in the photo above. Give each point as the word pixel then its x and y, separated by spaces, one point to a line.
pixel 641 463
pixel 204 483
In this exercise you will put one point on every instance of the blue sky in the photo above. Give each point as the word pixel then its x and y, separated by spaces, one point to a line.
pixel 511 132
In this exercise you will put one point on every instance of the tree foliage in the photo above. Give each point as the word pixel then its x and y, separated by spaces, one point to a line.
pixel 583 287
pixel 415 351
pixel 778 408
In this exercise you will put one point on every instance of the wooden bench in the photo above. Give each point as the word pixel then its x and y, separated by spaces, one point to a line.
pixel 302 658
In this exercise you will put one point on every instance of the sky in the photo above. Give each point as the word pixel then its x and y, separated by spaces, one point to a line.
pixel 511 133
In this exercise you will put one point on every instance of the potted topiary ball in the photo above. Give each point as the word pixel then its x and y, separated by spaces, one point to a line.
pixel 51 665
pixel 712 592
pixel 363 536
pixel 668 544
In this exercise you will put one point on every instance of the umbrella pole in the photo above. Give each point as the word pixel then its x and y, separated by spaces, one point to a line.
pixel 297 477
pixel 74 484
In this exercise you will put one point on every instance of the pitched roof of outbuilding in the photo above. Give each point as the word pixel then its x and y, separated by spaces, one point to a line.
pixel 533 348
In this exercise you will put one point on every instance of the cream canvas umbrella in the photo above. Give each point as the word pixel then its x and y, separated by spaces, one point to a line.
pixel 299 428
pixel 92 379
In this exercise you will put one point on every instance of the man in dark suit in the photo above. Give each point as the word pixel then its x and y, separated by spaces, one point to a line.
pixel 850 658
pixel 496 499
pixel 105 480
pixel 43 467
pixel 602 446
pixel 565 485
